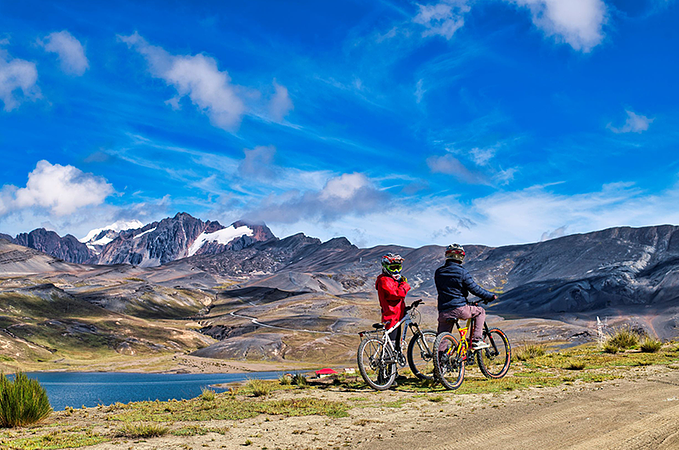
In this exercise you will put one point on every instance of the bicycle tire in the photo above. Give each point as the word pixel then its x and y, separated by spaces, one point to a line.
pixel 421 356
pixel 376 372
pixel 494 362
pixel 448 369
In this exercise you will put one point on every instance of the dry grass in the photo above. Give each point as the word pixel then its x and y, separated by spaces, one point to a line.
pixel 623 338
pixel 142 430
pixel 258 388
pixel 529 351
pixel 650 345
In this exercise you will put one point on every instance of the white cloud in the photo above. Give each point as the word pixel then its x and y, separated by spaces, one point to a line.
pixel 17 75
pixel 197 77
pixel 61 189
pixel 69 50
pixel 280 104
pixel 576 22
pixel 635 123
pixel 502 218
pixel 442 19
pixel 348 194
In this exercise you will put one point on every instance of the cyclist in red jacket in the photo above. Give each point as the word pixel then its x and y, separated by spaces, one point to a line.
pixel 392 289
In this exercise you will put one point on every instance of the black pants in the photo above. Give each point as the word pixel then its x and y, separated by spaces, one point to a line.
pixel 395 337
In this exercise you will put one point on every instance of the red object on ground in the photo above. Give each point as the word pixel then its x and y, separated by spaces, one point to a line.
pixel 325 372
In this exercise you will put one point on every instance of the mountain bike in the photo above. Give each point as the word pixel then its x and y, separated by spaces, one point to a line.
pixel 378 357
pixel 452 355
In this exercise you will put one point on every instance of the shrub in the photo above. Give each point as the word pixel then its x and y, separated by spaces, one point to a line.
pixel 610 348
pixel 22 401
pixel 259 388
pixel 207 394
pixel 285 380
pixel 141 430
pixel 650 345
pixel 299 380
pixel 623 338
pixel 575 365
pixel 530 351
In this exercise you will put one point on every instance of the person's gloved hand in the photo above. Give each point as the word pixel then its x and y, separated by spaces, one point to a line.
pixel 403 280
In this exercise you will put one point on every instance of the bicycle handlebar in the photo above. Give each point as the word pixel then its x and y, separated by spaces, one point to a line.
pixel 415 304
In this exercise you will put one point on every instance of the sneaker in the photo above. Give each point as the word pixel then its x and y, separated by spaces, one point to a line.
pixel 479 345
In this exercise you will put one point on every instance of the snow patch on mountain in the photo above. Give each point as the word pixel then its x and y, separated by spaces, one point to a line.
pixel 145 232
pixel 103 241
pixel 120 225
pixel 223 236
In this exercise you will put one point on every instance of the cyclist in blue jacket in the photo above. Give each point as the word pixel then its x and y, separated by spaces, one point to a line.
pixel 454 284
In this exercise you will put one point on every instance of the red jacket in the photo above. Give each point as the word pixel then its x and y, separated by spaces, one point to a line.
pixel 392 295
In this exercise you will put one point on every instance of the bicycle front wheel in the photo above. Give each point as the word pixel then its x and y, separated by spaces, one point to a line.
pixel 494 361
pixel 448 366
pixel 376 364
pixel 421 356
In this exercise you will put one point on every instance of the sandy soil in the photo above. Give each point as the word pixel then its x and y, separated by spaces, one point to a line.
pixel 638 412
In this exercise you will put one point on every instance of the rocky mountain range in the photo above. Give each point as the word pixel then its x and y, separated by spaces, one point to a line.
pixel 148 245
pixel 616 267
pixel 256 294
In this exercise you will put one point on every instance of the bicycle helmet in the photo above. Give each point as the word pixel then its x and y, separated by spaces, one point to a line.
pixel 392 264
pixel 455 252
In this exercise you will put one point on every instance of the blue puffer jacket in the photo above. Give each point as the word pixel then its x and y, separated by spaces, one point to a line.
pixel 454 284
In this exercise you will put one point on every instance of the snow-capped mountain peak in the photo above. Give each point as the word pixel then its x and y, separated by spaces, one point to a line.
pixel 117 227
pixel 223 236
pixel 96 239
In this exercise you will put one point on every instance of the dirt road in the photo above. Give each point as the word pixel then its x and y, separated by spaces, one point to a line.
pixel 628 414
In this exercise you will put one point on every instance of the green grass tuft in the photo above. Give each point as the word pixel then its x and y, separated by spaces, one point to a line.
pixel 141 430
pixel 623 338
pixel 530 351
pixel 207 395
pixel 258 388
pixel 299 380
pixel 650 345
pixel 22 401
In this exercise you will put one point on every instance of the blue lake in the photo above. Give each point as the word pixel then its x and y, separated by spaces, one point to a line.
pixel 76 389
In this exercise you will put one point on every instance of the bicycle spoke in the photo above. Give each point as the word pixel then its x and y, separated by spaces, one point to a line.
pixel 421 356
pixel 494 361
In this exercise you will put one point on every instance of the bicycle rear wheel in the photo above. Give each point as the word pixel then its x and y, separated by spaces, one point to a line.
pixel 448 366
pixel 421 356
pixel 376 364
pixel 494 361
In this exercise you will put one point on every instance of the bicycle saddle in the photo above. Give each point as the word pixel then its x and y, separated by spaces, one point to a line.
pixel 378 326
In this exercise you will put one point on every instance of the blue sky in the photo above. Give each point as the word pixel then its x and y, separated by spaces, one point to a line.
pixel 492 122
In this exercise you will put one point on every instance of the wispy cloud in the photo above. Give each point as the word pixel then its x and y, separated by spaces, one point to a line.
pixel 17 75
pixel 69 50
pixel 258 163
pixel 449 165
pixel 442 19
pixel 635 123
pixel 280 104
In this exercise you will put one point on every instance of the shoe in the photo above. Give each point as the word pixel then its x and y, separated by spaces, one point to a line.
pixel 479 345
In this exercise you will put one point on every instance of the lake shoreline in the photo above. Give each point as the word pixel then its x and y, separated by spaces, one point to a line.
pixel 165 364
